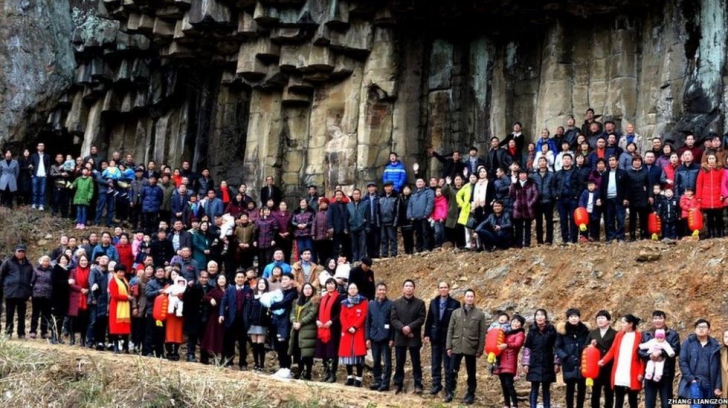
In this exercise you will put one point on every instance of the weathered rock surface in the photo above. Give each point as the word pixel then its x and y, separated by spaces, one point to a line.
pixel 319 91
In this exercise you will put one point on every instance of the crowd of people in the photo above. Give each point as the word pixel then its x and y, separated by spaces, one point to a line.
pixel 238 272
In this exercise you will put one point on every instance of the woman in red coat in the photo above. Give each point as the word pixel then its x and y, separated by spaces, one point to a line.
pixel 214 333
pixel 78 300
pixel 119 308
pixel 353 345
pixel 126 257
pixel 628 366
pixel 508 367
pixel 707 191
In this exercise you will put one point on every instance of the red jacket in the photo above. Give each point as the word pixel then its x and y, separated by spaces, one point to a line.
pixel 509 356
pixel 353 345
pixel 115 297
pixel 126 257
pixel 440 212
pixel 637 369
pixel 708 188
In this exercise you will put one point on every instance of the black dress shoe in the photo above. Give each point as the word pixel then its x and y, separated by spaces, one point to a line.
pixel 418 389
pixel 374 387
pixel 357 383
pixel 448 397
pixel 435 389
pixel 469 398
pixel 349 381
pixel 398 389
pixel 383 388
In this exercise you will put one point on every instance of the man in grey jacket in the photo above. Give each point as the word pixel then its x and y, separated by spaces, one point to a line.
pixel 419 209
pixel 16 274
pixel 465 339
pixel 408 317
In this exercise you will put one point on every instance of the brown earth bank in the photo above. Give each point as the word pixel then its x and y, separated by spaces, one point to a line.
pixel 686 280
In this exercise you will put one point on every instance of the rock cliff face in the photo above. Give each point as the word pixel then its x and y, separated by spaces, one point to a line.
pixel 320 91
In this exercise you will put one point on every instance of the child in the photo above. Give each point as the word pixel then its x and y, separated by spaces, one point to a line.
pixel 667 210
pixel 136 243
pixel 439 215
pixel 688 202
pixel 504 323
pixel 177 288
pixel 654 368
pixel 588 200
pixel 251 278
pixel 68 165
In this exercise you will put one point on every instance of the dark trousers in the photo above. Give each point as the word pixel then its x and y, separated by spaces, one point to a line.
pixel 389 241
pixel 109 202
pixel 545 212
pixel 714 221
pixel 578 386
pixel 11 306
pixel 138 326
pixel 620 392
pixel 408 239
pixel 149 222
pixel 341 245
pixel 265 255
pixel 614 220
pixel 285 245
pixel 400 355
pixel 100 325
pixel 305 243
pixel 153 338
pixel 236 335
pixel 602 383
pixel 382 351
pixel 374 241
pixel 669 229
pixel 523 232
pixel 440 360
pixel 569 230
pixel 469 367
pixel 323 250
pixel 42 310
pixel 634 212
pixel 79 324
pixel 490 239
pixel 663 388
pixel 510 398
pixel 358 245
pixel 533 395
pixel 424 235
pixel 284 360
pixel 60 201
pixel 6 198
pixel 246 258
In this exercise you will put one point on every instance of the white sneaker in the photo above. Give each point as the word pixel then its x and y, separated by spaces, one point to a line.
pixel 41 208
pixel 35 207
pixel 283 373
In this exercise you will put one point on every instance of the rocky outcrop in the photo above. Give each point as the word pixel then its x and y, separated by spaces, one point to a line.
pixel 319 91
pixel 36 64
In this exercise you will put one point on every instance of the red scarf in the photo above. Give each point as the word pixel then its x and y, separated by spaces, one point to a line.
pixel 225 195
pixel 324 315
pixel 82 281
pixel 512 151
pixel 600 153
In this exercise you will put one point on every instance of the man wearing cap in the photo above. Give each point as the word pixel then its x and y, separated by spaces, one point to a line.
pixel 16 274
pixel 363 277
pixel 374 233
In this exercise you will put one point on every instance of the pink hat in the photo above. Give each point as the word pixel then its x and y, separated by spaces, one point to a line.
pixel 660 334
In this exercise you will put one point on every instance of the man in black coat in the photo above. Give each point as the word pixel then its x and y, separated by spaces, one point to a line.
pixel 337 217
pixel 270 192
pixel 638 193
pixel 495 158
pixel 613 201
pixel 451 164
pixel 436 324
pixel 602 338
pixel 161 249
pixel 408 317
pixel 179 237
pixel 16 274
pixel 664 386
pixel 40 168
pixel 363 277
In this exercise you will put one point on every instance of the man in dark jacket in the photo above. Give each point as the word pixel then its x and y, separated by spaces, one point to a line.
pixel 16 274
pixel 567 197
pixel 571 338
pixel 473 162
pixel 98 280
pixel 419 208
pixel 602 338
pixel 161 249
pixel 495 158
pixel 270 192
pixel 363 276
pixel 374 235
pixel 196 315
pixel 231 314
pixel 700 364
pixel 664 386
pixel 40 168
pixel 380 337
pixel 337 217
pixel 546 186
pixel 179 237
pixel 465 339
pixel 151 199
pixel 389 217
pixel 438 319
pixel 154 334
pixel 613 201
pixel 451 164
pixel 359 224
pixel 638 193
pixel 686 176
pixel 408 317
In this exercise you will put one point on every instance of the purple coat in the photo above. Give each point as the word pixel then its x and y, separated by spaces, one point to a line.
pixel 320 226
pixel 265 231
pixel 302 217
pixel 42 282
pixel 524 200
pixel 283 221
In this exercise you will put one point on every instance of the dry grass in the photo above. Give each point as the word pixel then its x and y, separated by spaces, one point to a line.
pixel 27 226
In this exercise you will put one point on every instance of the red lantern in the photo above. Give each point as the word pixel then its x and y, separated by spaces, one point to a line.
pixel 159 312
pixel 695 221
pixel 493 340
pixel 581 218
pixel 590 364
pixel 654 225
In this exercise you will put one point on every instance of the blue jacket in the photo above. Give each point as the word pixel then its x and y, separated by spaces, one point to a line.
pixel 152 197
pixel 550 142
pixel 584 201
pixel 269 268
pixel 396 173
pixel 421 204
pixel 686 177
pixel 379 321
pixel 689 365
pixel 337 216
pixel 228 305
pixel 358 215
pixel 179 202
pixel 99 297
pixel 109 251
pixel 151 291
pixel 213 207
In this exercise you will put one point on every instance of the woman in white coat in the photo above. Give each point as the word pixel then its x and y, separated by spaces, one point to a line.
pixel 9 171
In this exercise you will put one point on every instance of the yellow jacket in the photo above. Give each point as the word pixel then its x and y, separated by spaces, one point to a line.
pixel 463 198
